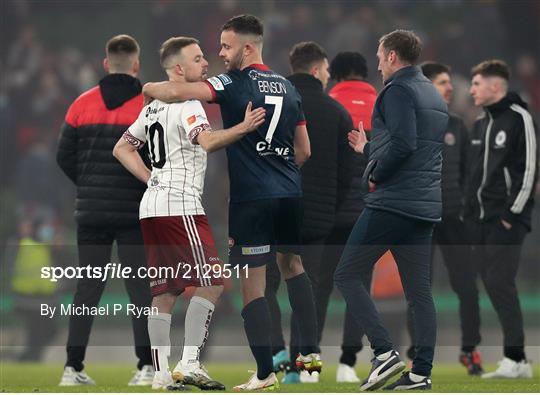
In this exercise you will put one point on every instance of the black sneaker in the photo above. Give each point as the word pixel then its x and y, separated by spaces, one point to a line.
pixel 381 371
pixel 404 383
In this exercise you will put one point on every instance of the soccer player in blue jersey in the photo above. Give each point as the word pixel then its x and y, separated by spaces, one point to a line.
pixel 265 208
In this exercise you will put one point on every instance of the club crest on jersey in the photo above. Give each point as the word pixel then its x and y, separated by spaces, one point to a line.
pixel 253 74
pixel 500 139
pixel 154 182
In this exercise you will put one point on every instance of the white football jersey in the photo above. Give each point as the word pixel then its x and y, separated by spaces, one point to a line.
pixel 178 163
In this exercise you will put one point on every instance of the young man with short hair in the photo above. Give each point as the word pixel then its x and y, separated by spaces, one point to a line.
pixel 175 228
pixel 499 202
pixel 265 203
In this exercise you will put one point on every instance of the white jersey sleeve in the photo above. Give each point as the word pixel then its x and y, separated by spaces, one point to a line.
pixel 136 133
pixel 194 120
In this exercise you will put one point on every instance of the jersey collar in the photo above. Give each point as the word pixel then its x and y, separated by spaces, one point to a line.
pixel 259 66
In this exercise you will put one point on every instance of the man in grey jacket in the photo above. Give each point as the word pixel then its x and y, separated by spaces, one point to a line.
pixel 403 177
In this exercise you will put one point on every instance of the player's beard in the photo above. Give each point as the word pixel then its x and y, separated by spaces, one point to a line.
pixel 237 61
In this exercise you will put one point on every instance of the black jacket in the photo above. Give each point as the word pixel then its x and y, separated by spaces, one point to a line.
pixel 503 176
pixel 454 168
pixel 327 176
pixel 405 152
pixel 107 194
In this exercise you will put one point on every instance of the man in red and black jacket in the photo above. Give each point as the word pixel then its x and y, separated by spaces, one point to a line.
pixel 107 203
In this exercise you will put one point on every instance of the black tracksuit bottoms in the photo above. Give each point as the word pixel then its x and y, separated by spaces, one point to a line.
pixel 495 253
pixel 95 246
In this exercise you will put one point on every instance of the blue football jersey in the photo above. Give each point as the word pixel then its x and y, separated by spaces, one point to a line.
pixel 261 164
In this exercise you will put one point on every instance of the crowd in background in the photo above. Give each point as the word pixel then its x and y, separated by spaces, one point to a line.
pixel 51 53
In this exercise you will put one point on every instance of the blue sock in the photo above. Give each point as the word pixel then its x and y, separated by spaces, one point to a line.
pixel 303 305
pixel 256 317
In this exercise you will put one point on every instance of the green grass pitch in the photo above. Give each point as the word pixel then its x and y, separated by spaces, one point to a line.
pixel 114 378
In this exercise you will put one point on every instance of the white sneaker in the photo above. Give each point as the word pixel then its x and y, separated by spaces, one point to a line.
pixel 197 375
pixel 71 377
pixel 509 369
pixel 267 384
pixel 142 377
pixel 346 374
pixel 162 380
pixel 312 378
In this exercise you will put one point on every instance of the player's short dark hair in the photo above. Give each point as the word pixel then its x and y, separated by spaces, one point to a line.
pixel 172 47
pixel 405 43
pixel 347 64
pixel 304 55
pixel 122 45
pixel 492 68
pixel 433 69
pixel 244 24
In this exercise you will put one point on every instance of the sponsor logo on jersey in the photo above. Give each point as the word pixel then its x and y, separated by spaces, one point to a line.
pixel 264 149
pixel 225 78
pixel 256 250
pixel 191 120
pixel 500 139
pixel 216 83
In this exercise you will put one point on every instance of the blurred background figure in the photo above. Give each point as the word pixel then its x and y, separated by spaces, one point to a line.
pixel 449 234
pixel 34 251
pixel 326 178
pixel 349 70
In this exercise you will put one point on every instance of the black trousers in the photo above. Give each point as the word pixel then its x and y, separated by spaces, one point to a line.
pixel 409 240
pixel 320 259
pixel 451 237
pixel 95 245
pixel 496 252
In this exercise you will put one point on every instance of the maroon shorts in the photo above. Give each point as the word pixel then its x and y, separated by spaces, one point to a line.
pixel 180 253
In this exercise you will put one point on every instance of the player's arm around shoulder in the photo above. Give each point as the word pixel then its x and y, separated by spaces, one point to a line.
pixel 213 141
pixel 171 91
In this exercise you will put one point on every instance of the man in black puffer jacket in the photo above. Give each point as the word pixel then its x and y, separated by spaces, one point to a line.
pixel 327 180
pixel 107 205
pixel 403 177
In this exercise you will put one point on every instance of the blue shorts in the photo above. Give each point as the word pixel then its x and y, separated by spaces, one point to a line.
pixel 260 228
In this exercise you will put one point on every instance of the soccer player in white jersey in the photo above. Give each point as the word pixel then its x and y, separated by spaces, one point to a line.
pixel 175 228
